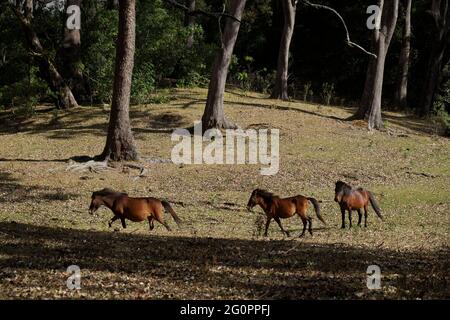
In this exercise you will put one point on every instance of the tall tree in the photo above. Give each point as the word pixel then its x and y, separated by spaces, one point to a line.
pixel 47 67
pixel 440 14
pixel 280 89
pixel 401 93
pixel 120 144
pixel 213 116
pixel 370 107
pixel 69 54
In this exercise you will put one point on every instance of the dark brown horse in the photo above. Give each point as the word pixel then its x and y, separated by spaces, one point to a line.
pixel 354 199
pixel 134 209
pixel 276 208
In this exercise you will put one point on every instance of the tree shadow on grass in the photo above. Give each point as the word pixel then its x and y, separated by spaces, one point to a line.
pixel 413 123
pixel 226 267
pixel 12 191
pixel 283 108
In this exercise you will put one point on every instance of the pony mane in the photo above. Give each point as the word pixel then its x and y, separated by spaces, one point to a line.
pixel 344 186
pixel 107 192
pixel 266 195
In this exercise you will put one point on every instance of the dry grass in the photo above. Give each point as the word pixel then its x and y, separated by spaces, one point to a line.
pixel 45 227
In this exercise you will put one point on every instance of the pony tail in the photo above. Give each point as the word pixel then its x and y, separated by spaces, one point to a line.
pixel 375 205
pixel 169 209
pixel 317 209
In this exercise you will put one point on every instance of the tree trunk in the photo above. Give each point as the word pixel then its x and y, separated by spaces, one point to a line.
pixel 69 54
pixel 280 90
pixel 120 144
pixel 213 116
pixel 439 11
pixel 402 84
pixel 48 70
pixel 189 21
pixel 370 108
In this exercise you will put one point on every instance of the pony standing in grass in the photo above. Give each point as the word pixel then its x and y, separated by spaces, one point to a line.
pixel 354 199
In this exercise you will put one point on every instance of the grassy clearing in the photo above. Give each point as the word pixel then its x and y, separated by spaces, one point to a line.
pixel 45 227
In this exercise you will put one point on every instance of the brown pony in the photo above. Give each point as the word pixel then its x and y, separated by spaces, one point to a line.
pixel 276 208
pixel 134 209
pixel 354 199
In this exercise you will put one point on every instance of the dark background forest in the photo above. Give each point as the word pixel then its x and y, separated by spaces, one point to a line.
pixel 320 62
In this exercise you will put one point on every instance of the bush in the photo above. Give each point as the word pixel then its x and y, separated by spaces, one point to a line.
pixel 193 79
pixel 441 118
pixel 243 75
pixel 441 105
pixel 23 96
pixel 327 93
pixel 306 90
pixel 143 84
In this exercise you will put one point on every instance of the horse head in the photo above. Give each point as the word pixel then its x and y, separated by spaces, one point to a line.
pixel 340 190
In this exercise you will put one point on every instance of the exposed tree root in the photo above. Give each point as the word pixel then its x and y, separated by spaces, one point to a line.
pixel 91 166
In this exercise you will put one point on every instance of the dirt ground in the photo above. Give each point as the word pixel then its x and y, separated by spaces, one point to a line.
pixel 218 252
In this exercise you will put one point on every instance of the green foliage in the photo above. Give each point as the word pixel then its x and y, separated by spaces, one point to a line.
pixel 22 96
pixel 441 105
pixel 194 79
pixel 159 98
pixel 161 40
pixel 143 84
pixel 99 49
pixel 244 76
pixel 442 117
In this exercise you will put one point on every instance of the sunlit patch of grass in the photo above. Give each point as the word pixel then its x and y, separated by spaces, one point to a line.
pixel 408 171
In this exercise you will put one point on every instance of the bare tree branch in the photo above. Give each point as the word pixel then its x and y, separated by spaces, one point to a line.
pixel 349 42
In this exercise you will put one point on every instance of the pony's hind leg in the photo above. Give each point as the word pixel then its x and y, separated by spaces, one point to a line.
pixel 267 226
pixel 305 222
pixel 310 225
pixel 158 215
pixel 365 216
pixel 359 217
pixel 164 223
pixel 281 227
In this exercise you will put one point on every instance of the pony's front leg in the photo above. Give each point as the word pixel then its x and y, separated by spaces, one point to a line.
pixel 112 220
pixel 365 216
pixel 281 227
pixel 150 223
pixel 123 222
pixel 350 217
pixel 267 225
pixel 343 218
